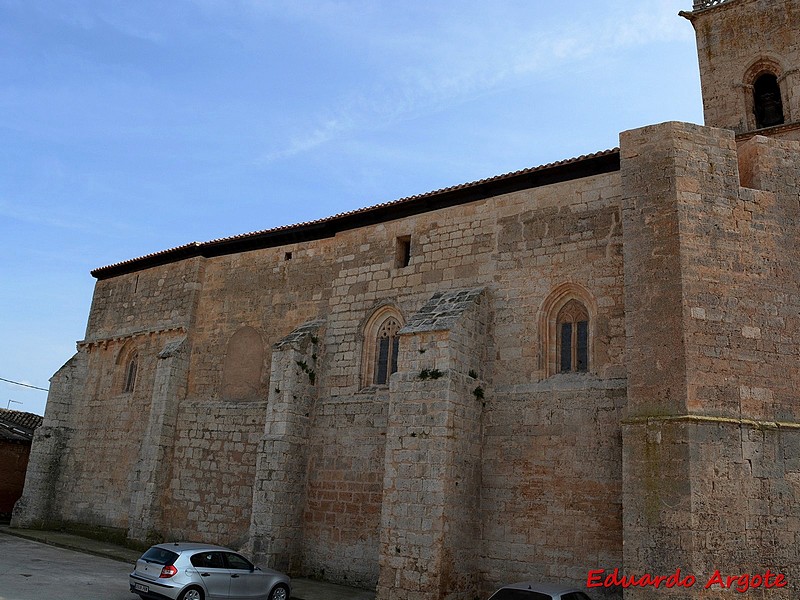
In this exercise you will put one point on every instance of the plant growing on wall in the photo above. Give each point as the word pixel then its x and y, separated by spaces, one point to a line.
pixel 312 375
pixel 430 374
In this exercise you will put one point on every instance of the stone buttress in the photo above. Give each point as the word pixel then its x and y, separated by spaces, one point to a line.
pixel 429 521
pixel 711 436
pixel 279 490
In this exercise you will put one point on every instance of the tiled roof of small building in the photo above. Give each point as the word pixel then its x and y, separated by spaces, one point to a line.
pixel 18 426
pixel 565 170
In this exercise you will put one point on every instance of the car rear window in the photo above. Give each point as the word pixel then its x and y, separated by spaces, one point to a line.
pixel 160 556
pixel 508 594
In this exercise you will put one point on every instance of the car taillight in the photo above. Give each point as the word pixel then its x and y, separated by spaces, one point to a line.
pixel 168 571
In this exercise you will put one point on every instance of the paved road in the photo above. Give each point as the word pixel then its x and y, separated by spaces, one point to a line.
pixel 33 571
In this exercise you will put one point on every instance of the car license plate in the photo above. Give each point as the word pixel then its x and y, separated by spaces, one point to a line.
pixel 141 588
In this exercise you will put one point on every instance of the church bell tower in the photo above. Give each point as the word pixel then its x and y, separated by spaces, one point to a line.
pixel 749 55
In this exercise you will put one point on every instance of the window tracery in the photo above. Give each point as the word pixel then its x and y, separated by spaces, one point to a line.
pixel 381 346
pixel 573 338
pixel 387 344
pixel 566 331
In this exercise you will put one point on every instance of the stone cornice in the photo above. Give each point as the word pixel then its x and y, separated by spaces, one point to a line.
pixel 103 342
pixel 768 131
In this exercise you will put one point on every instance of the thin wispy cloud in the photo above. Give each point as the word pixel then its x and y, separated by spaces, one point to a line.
pixel 465 57
pixel 31 213
pixel 122 18
pixel 306 141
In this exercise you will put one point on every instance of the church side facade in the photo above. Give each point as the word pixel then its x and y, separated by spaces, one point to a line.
pixel 587 365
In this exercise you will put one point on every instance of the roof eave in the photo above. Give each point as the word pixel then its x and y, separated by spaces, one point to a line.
pixel 586 166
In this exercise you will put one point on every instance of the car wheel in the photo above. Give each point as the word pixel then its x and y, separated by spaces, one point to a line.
pixel 279 592
pixel 191 594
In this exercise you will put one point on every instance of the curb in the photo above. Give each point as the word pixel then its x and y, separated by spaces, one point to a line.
pixel 45 537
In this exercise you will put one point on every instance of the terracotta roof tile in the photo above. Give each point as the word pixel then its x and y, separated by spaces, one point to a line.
pixel 18 426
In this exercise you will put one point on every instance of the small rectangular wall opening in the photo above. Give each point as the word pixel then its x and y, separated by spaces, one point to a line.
pixel 403 253
pixel 287 256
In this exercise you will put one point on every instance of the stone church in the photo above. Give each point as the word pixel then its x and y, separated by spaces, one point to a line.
pixel 591 364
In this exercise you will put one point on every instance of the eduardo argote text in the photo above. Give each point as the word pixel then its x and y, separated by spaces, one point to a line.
pixel 717 580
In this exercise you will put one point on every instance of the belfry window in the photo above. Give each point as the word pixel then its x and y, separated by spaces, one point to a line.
pixel 572 325
pixel 131 367
pixel 767 103
pixel 386 348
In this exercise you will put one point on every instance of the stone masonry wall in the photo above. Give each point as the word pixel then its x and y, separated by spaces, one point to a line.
pixel 210 491
pixel 82 471
pixel 39 503
pixel 149 300
pixel 552 455
pixel 709 467
pixel 519 246
pixel 150 476
pixel 279 495
pixel 108 426
pixel 552 446
pixel 345 489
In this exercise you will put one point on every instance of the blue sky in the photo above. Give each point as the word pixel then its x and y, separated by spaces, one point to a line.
pixel 130 127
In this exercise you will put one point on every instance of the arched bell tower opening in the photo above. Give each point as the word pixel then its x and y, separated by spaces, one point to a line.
pixel 767 103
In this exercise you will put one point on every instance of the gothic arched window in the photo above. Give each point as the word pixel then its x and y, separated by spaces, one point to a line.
pixel 127 369
pixel 386 347
pixel 131 369
pixel 767 103
pixel 572 325
pixel 567 319
pixel 381 346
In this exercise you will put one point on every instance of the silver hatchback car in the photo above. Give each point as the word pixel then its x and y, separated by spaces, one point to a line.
pixel 188 571
pixel 529 590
